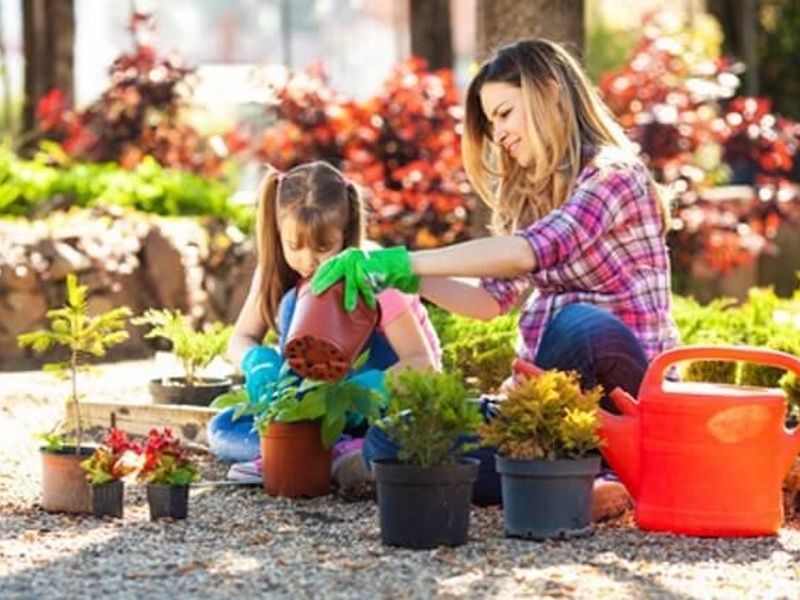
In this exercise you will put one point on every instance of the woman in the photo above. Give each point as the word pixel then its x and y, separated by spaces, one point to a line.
pixel 579 229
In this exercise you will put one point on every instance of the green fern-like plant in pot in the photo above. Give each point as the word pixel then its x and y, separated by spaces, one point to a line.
pixel 299 420
pixel 545 434
pixel 64 487
pixel 194 349
pixel 424 496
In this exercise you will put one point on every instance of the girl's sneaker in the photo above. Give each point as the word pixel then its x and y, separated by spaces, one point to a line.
pixel 348 469
pixel 246 473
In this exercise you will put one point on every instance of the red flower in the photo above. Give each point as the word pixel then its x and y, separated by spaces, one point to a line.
pixel 50 109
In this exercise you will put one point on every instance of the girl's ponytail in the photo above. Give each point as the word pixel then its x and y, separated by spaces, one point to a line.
pixel 276 275
pixel 354 232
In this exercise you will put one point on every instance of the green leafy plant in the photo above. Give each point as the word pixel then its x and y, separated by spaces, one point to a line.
pixel 790 384
pixel 166 461
pixel 148 187
pixel 430 416
pixel 289 399
pixel 115 459
pixel 52 441
pixel 764 375
pixel 482 351
pixel 194 349
pixel 83 335
pixel 547 417
pixel 712 371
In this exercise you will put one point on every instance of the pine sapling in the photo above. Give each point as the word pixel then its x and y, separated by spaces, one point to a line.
pixel 83 335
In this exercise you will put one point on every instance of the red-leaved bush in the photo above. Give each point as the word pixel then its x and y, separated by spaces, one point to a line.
pixel 139 114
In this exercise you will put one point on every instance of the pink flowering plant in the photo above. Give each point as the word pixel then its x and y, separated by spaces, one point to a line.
pixel 117 458
pixel 166 461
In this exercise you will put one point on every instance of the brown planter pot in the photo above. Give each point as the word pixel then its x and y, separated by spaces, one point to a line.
pixel 173 390
pixel 64 485
pixel 324 339
pixel 295 461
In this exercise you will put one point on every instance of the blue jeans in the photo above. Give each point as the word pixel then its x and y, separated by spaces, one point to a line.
pixel 580 337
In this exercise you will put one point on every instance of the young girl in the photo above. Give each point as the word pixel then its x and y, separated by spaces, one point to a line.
pixel 578 221
pixel 305 216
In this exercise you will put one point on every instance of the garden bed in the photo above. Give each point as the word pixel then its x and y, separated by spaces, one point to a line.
pixel 238 541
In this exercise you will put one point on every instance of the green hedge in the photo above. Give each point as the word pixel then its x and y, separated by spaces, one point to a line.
pixel 482 351
pixel 149 187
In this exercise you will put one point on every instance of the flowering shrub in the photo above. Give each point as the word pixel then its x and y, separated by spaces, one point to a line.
pixel 674 99
pixel 115 459
pixel 165 461
pixel 137 116
pixel 402 146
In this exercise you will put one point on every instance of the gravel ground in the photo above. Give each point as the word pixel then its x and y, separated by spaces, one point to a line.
pixel 240 542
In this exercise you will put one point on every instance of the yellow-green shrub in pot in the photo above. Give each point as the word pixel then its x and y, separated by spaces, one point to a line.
pixel 545 432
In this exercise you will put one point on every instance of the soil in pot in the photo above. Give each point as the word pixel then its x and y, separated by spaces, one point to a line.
pixel 295 463
pixel 64 485
pixel 173 390
pixel 108 499
pixel 167 501
pixel 424 508
pixel 545 499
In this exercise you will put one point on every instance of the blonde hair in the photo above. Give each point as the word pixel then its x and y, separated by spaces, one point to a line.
pixel 557 133
pixel 320 199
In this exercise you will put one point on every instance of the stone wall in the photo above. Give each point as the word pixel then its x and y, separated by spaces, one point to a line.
pixel 125 258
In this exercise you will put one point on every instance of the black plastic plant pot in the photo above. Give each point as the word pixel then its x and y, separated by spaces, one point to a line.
pixel 108 499
pixel 173 390
pixel 424 508
pixel 547 499
pixel 167 501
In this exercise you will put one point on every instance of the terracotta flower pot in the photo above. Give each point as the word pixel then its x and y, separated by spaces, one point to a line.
pixel 295 461
pixel 64 485
pixel 324 339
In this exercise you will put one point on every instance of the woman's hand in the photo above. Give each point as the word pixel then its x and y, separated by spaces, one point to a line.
pixel 366 273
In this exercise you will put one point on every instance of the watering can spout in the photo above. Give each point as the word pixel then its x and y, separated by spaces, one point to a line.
pixel 619 436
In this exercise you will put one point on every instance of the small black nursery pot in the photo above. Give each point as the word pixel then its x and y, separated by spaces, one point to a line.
pixel 108 499
pixel 424 507
pixel 167 500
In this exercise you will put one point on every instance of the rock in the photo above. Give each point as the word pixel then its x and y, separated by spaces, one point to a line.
pixel 165 272
pixel 240 285
pixel 63 258
pixel 19 277
pixel 21 312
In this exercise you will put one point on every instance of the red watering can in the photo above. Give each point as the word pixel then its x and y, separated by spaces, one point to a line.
pixel 700 458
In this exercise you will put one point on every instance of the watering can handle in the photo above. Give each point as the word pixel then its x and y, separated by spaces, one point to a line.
pixel 762 356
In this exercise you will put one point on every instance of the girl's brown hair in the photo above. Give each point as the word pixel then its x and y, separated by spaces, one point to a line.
pixel 564 114
pixel 321 200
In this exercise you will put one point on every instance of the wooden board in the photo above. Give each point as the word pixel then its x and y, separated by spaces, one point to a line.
pixel 187 422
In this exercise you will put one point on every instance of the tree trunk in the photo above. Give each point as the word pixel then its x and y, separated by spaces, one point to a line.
pixel 503 21
pixel 430 32
pixel 738 20
pixel 49 40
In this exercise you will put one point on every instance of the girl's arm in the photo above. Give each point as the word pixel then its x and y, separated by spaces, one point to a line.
pixel 250 327
pixel 504 256
pixel 404 333
pixel 461 296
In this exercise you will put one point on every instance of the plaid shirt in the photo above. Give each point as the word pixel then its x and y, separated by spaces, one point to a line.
pixel 604 247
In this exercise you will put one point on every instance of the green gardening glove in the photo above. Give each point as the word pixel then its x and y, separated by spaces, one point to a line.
pixel 367 273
